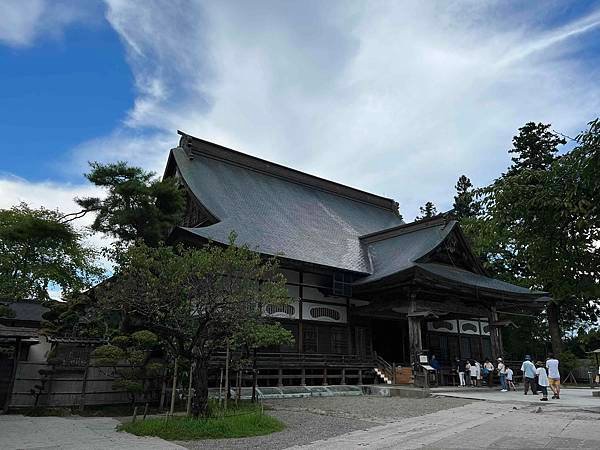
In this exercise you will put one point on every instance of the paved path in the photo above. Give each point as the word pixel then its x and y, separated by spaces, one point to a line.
pixel 574 398
pixel 479 425
pixel 71 433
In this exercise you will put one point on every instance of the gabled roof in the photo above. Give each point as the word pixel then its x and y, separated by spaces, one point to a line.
pixel 281 211
pixel 27 310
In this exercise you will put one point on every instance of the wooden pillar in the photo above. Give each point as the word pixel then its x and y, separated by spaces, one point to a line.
pixel 85 378
pixel 300 318
pixel 13 374
pixel 495 337
pixel 414 330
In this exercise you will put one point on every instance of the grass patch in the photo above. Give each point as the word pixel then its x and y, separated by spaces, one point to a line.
pixel 242 424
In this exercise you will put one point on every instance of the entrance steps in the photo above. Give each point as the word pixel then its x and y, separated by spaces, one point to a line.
pixel 381 374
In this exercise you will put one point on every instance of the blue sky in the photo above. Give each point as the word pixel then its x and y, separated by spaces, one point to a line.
pixel 397 98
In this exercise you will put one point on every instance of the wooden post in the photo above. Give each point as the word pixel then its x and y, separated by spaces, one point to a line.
pixel 494 333
pixel 226 376
pixel 360 379
pixel 325 376
pixel 343 380
pixel 163 392
pixel 174 388
pixel 303 377
pixel 134 415
pixel 414 330
pixel 188 406
pixel 13 375
pixel 145 411
pixel 280 377
pixel 84 381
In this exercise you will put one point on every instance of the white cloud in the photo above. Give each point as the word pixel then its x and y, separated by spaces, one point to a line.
pixel 23 21
pixel 395 98
pixel 398 98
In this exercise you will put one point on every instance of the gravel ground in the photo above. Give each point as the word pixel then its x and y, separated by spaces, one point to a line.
pixel 314 418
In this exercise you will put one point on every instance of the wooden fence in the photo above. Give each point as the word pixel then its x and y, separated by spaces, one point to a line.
pixel 67 386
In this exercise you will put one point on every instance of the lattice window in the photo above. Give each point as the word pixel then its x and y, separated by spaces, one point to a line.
pixel 280 310
pixel 323 311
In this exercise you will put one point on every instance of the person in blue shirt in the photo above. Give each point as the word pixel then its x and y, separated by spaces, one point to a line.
pixel 529 373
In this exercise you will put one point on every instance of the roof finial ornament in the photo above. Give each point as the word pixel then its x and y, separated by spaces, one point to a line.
pixel 186 144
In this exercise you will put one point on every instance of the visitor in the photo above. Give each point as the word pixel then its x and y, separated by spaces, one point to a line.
pixel 553 375
pixel 460 368
pixel 479 376
pixel 488 372
pixel 502 375
pixel 542 380
pixel 509 379
pixel 475 373
pixel 434 363
pixel 468 373
pixel 529 374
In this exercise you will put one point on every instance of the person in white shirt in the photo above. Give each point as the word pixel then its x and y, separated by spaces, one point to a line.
pixel 474 373
pixel 502 375
pixel 542 380
pixel 509 379
pixel 553 375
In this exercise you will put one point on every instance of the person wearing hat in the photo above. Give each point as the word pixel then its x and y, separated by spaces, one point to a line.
pixel 502 375
pixel 529 373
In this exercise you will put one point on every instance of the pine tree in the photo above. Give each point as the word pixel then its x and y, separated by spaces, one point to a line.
pixel 464 206
pixel 427 211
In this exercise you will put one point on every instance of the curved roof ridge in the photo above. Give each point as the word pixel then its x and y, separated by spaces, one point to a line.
pixel 193 145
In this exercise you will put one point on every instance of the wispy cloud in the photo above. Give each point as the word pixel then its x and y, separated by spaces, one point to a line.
pixel 23 21
pixel 399 98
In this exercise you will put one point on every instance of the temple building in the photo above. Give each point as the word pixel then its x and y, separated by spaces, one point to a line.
pixel 370 293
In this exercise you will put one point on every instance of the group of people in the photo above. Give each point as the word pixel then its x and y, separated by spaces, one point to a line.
pixel 540 374
pixel 473 373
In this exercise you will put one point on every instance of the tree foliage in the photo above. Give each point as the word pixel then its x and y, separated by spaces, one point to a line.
pixel 464 204
pixel 38 250
pixel 137 204
pixel 539 223
pixel 427 211
pixel 133 361
pixel 194 298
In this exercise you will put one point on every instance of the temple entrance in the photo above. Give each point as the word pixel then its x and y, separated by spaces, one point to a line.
pixel 390 340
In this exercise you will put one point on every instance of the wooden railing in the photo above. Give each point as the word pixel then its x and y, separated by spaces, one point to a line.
pixel 298 360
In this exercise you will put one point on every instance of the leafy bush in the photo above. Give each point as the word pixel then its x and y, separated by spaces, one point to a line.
pixel 108 355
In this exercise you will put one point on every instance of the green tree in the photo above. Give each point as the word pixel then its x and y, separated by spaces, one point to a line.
pixel 196 299
pixel 535 147
pixel 131 357
pixel 427 211
pixel 137 205
pixel 539 226
pixel 257 334
pixel 38 250
pixel 464 204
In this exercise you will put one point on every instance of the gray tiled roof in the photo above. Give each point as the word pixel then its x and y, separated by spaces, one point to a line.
pixel 279 211
pixel 276 216
pixel 399 253
pixel 465 277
